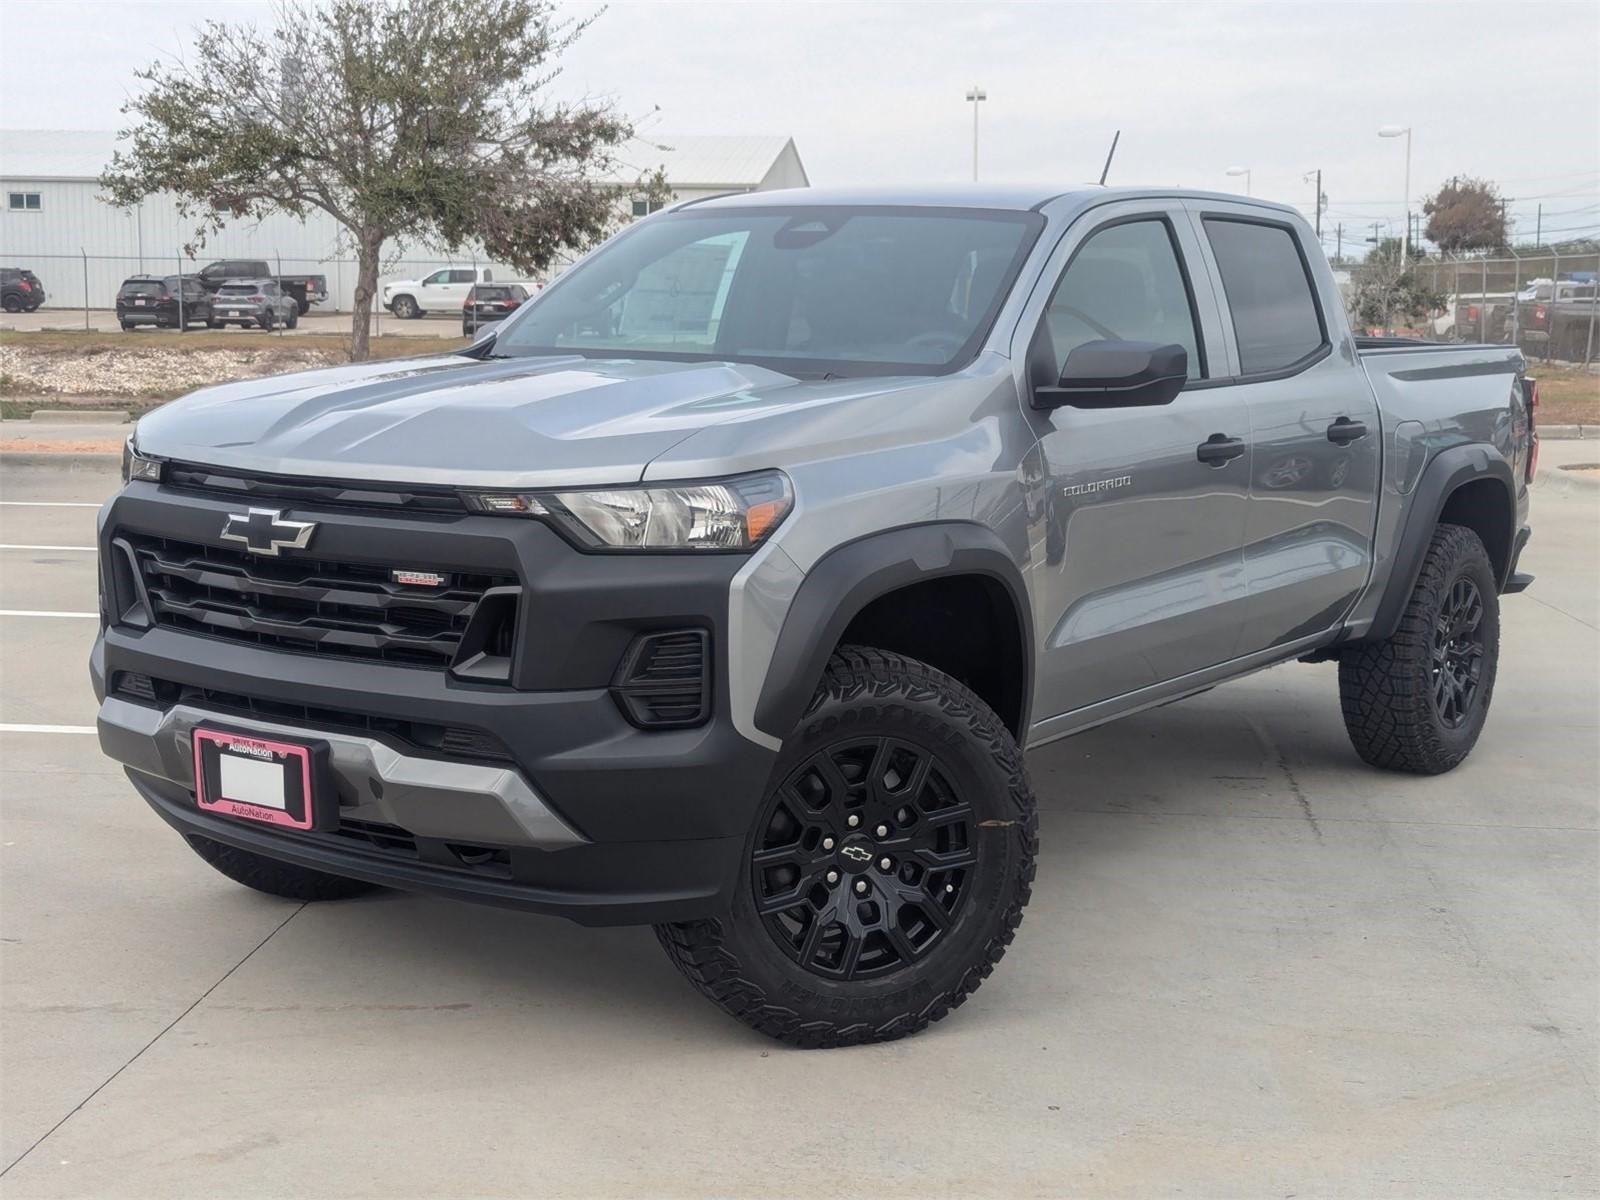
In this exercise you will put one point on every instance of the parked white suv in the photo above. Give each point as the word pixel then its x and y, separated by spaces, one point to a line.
pixel 445 290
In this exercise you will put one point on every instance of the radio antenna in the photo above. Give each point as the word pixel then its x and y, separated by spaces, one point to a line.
pixel 1110 154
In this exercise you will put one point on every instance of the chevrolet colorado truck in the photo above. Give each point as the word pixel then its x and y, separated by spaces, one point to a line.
pixel 723 586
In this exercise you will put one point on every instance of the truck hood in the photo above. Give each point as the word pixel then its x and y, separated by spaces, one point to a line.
pixel 504 423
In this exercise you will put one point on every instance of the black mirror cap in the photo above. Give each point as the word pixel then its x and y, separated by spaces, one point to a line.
pixel 1114 374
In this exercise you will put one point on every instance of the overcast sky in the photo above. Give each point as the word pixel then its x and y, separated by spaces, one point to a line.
pixel 874 92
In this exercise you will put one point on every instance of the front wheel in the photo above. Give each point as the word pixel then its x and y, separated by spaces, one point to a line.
pixel 887 869
pixel 1417 701
pixel 405 308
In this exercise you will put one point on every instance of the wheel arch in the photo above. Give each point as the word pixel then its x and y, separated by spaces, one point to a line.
pixel 955 572
pixel 1465 485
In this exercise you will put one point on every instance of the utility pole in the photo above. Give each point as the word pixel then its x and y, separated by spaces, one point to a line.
pixel 1538 228
pixel 1338 254
pixel 1316 203
pixel 975 95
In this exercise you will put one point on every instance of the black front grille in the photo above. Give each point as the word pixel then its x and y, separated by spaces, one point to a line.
pixel 344 609
pixel 432 741
pixel 409 498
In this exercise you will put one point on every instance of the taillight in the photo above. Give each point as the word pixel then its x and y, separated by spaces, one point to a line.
pixel 1538 312
pixel 258 299
pixel 467 303
pixel 1472 312
pixel 512 303
pixel 25 285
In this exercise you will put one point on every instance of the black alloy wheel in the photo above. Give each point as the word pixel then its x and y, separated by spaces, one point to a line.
pixel 864 858
pixel 1458 653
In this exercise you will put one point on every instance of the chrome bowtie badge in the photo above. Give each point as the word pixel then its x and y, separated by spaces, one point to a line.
pixel 264 531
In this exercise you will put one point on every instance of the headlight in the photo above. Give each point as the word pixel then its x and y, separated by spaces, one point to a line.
pixel 721 514
pixel 136 466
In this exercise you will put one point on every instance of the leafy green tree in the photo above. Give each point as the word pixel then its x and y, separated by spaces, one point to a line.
pixel 1466 214
pixel 424 121
pixel 1382 290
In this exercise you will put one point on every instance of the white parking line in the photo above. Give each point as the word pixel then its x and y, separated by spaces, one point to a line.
pixel 47 504
pixel 83 549
pixel 41 612
pixel 47 729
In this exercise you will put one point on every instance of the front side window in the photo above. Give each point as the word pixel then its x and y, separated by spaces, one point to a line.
pixel 808 290
pixel 1124 284
pixel 436 278
pixel 1275 317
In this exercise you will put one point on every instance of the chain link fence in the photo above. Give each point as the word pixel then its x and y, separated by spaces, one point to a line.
pixel 86 282
pixel 1546 302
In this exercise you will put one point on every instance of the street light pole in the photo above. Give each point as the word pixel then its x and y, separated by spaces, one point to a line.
pixel 1245 171
pixel 1390 131
pixel 975 94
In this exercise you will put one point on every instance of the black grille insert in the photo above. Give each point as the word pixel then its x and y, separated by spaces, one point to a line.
pixel 347 609
pixel 190 477
pixel 664 681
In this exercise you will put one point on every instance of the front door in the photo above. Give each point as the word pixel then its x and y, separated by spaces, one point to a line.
pixel 1314 430
pixel 1137 561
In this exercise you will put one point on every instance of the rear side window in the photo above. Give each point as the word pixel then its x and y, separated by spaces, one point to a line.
pixel 1124 284
pixel 460 276
pixel 1275 317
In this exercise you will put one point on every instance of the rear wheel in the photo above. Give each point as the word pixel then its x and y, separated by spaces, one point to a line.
pixel 1417 701
pixel 127 326
pixel 266 322
pixel 276 878
pixel 292 320
pixel 887 869
pixel 12 304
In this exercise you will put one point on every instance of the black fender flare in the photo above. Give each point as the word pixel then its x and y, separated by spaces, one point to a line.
pixel 849 577
pixel 1448 471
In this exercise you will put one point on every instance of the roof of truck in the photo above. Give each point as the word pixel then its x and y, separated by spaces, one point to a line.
pixel 1016 197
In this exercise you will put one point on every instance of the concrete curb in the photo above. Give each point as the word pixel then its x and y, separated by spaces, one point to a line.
pixel 1563 433
pixel 61 460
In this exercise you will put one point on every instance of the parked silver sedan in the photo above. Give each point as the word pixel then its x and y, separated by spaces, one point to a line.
pixel 253 303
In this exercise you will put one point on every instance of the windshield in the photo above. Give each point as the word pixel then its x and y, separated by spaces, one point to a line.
pixel 807 290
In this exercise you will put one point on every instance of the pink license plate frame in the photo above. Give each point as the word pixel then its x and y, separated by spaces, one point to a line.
pixel 295 759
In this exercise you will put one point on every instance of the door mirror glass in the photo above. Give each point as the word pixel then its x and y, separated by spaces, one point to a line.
pixel 1118 374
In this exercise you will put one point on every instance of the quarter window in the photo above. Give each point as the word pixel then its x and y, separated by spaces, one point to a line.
pixel 1275 317
pixel 1124 284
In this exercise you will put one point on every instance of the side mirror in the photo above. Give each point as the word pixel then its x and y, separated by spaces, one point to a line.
pixel 1109 374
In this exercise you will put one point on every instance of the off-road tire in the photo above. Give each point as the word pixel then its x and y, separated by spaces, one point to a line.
pixel 736 963
pixel 277 878
pixel 1386 688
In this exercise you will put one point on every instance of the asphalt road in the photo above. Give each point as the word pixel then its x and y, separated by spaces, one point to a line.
pixel 1252 967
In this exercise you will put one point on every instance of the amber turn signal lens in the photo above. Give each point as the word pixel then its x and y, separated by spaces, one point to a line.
pixel 761 517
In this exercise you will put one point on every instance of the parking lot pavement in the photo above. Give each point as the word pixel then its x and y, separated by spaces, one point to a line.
pixel 104 320
pixel 1252 966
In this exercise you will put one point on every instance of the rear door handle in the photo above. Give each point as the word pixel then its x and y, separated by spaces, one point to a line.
pixel 1344 431
pixel 1218 449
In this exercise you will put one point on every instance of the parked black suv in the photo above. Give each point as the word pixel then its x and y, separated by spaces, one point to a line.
pixel 488 303
pixel 157 300
pixel 20 290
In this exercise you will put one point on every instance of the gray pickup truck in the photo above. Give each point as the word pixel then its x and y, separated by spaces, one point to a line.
pixel 724 585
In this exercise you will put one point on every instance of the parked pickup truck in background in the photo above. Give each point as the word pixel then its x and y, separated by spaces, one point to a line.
pixel 445 290
pixel 1482 318
pixel 305 289
pixel 1555 322
pixel 724 584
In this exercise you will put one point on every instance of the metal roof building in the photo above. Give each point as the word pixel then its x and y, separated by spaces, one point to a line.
pixel 53 220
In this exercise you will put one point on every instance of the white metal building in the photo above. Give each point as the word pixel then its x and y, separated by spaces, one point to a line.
pixel 53 221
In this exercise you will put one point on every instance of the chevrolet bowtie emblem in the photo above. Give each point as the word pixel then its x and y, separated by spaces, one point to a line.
pixel 264 531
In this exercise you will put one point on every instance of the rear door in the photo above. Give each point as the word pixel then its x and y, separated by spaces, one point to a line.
pixel 1313 423
pixel 1136 555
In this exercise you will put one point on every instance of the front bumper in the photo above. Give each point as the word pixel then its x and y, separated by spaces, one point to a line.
pixel 586 815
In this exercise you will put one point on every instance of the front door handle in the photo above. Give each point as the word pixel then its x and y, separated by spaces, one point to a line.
pixel 1219 449
pixel 1344 431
